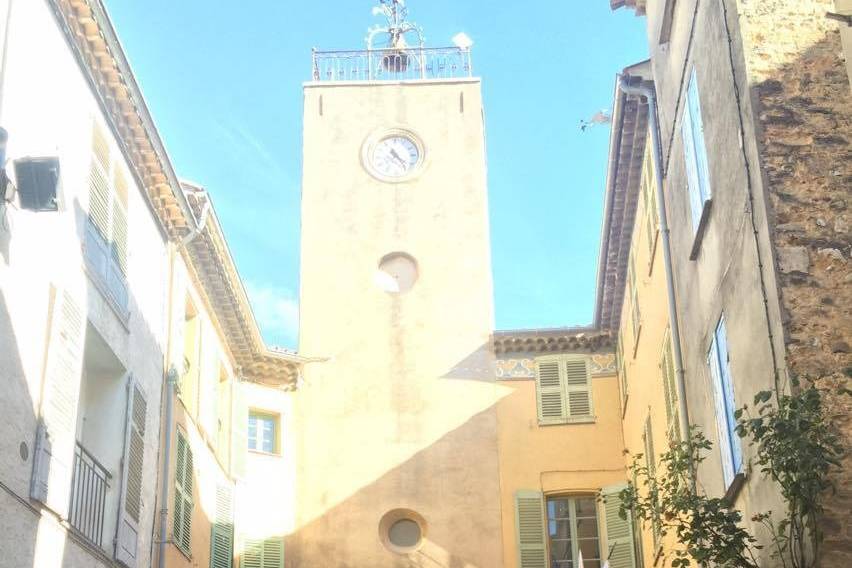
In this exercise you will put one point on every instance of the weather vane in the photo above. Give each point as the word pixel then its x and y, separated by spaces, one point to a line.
pixel 397 27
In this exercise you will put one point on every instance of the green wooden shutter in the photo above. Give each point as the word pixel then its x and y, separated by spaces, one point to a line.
pixel 622 372
pixel 183 495
pixel 239 430
pixel 273 553
pixel 56 436
pixel 529 527
pixel 670 391
pixel 263 553
pixel 651 464
pixel 129 515
pixel 636 314
pixel 550 390
pixel 578 387
pixel 222 538
pixel 619 532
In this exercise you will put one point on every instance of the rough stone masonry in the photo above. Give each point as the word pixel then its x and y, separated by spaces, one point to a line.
pixel 801 94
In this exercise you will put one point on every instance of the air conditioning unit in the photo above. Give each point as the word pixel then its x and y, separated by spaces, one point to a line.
pixel 37 183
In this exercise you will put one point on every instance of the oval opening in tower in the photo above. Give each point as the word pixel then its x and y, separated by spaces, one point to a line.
pixel 397 273
pixel 402 531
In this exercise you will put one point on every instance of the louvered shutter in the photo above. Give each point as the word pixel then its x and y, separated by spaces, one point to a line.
pixel 578 387
pixel 694 106
pixel 273 553
pixel 222 539
pixel 56 436
pixel 619 532
pixel 183 495
pixel 723 394
pixel 130 507
pixel 239 431
pixel 265 553
pixel 550 389
pixel 252 556
pixel 99 191
pixel 529 526
pixel 670 391
pixel 119 221
pixel 651 464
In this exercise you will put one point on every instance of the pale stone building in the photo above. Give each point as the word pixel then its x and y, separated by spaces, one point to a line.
pixel 753 110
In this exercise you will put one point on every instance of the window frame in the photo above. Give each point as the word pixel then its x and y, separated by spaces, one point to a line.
pixel 572 499
pixel 718 362
pixel 276 427
pixel 696 161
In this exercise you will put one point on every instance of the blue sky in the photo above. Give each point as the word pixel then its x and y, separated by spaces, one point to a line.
pixel 223 81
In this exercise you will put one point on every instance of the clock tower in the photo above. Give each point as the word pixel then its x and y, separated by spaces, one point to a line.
pixel 396 460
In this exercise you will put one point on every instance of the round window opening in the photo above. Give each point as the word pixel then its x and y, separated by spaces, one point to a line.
pixel 405 533
pixel 397 273
pixel 402 531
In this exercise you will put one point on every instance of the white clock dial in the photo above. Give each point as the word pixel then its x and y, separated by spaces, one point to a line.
pixel 395 156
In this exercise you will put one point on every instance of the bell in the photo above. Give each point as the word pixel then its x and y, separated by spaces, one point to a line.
pixel 396 60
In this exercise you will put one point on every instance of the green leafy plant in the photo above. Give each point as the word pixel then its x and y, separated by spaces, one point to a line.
pixel 797 447
pixel 709 530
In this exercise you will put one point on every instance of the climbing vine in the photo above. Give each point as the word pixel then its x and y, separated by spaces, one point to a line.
pixel 794 444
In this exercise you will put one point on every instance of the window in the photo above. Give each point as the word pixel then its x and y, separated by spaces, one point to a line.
pixel 572 528
pixel 262 433
pixel 37 181
pixel 563 389
pixel 182 530
pixel 263 553
pixel 718 362
pixel 695 153
pixel 106 235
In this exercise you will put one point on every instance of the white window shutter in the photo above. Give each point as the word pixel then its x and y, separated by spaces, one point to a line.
pixel 273 553
pixel 56 437
pixel 619 532
pixel 696 204
pixel 721 418
pixel 578 387
pixel 239 431
pixel 130 506
pixel 693 101
pixel 222 545
pixel 550 390
pixel 529 527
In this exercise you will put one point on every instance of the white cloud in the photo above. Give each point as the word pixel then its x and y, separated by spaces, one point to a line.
pixel 277 313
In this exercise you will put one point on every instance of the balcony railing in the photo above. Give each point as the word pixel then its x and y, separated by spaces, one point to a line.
pixel 89 487
pixel 392 64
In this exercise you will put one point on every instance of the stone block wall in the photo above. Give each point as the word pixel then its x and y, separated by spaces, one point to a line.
pixel 803 107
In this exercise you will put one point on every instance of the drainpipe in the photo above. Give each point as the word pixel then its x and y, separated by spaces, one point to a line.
pixel 648 93
pixel 171 382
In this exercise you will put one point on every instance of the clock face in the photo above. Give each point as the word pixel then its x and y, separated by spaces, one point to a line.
pixel 395 156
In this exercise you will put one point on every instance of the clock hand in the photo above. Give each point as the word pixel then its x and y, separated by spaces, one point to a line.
pixel 398 157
